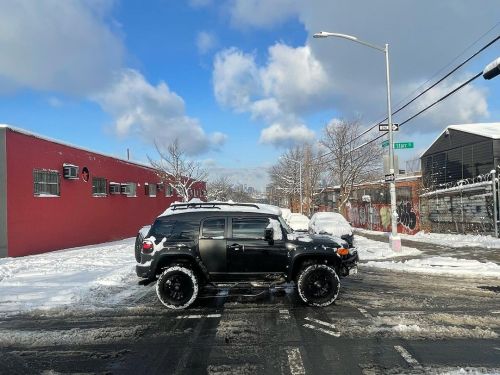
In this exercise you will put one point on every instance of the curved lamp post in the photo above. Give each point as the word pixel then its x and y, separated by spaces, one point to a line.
pixel 394 239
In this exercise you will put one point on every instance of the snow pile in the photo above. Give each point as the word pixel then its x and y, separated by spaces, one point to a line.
pixel 96 275
pixel 446 239
pixel 371 250
pixel 456 240
pixel 442 266
pixel 330 223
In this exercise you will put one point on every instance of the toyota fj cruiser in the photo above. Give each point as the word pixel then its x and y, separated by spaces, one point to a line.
pixel 194 244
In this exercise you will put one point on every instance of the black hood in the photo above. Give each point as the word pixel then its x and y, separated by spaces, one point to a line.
pixel 317 240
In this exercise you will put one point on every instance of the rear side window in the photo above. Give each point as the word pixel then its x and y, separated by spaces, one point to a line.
pixel 174 230
pixel 213 228
pixel 162 228
pixel 250 227
pixel 185 230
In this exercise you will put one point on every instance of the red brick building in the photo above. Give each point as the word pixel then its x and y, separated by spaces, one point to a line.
pixel 54 196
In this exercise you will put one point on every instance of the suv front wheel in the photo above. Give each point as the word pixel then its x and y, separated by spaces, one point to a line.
pixel 318 285
pixel 177 287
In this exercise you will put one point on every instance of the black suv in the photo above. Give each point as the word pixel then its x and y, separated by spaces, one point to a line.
pixel 195 244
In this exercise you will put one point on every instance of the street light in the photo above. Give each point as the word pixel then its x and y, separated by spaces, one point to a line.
pixel 300 177
pixel 394 239
pixel 492 69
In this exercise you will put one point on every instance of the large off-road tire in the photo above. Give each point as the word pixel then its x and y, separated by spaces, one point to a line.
pixel 177 287
pixel 318 285
pixel 138 247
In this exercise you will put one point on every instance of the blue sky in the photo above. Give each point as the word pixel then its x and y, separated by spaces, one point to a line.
pixel 237 81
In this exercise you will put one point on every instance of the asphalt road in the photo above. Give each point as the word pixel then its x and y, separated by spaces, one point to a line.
pixel 383 323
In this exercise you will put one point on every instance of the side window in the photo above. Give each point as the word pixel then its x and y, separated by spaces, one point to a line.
pixel 185 230
pixel 213 228
pixel 162 228
pixel 253 228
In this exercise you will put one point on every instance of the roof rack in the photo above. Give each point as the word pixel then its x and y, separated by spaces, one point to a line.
pixel 185 206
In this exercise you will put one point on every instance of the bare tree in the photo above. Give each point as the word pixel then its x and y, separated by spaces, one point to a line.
pixel 176 170
pixel 350 161
pixel 285 177
pixel 220 189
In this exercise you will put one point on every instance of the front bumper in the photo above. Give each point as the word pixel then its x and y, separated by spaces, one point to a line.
pixel 350 263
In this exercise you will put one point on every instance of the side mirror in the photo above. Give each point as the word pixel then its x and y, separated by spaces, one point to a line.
pixel 269 234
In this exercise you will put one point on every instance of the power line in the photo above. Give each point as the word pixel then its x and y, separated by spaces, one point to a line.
pixel 425 109
pixel 426 90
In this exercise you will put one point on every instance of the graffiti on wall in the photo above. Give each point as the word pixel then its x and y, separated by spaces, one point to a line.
pixel 406 215
pixel 378 216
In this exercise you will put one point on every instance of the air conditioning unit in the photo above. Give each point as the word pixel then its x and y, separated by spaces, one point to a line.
pixel 70 171
pixel 125 189
pixel 114 188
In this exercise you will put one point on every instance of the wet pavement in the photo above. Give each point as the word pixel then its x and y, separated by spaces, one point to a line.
pixel 382 323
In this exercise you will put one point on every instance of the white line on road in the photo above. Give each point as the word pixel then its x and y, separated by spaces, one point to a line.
pixel 328 332
pixel 295 362
pixel 284 314
pixel 407 357
pixel 365 313
pixel 320 322
pixel 198 316
pixel 495 312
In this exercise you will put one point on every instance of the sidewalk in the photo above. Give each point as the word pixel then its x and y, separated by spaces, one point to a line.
pixel 481 254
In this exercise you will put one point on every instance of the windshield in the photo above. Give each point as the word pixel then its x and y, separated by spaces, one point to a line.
pixel 288 230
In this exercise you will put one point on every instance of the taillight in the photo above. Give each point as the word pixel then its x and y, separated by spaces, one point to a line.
pixel 342 251
pixel 147 247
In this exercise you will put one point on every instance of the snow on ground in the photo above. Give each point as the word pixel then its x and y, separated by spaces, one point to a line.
pixel 446 239
pixel 371 250
pixel 85 277
pixel 442 266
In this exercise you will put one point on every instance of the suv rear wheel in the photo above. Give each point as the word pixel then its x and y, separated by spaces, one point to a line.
pixel 177 287
pixel 138 247
pixel 318 285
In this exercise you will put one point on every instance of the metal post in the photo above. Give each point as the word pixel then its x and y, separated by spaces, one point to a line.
pixel 394 239
pixel 300 182
pixel 494 185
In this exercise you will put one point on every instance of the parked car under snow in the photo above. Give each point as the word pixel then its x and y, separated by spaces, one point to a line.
pixel 298 222
pixel 331 223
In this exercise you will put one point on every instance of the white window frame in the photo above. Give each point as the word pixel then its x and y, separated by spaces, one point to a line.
pixel 151 189
pixel 43 179
pixel 169 190
pixel 100 193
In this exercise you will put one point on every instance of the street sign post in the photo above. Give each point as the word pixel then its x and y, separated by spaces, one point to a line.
pixel 401 145
pixel 385 127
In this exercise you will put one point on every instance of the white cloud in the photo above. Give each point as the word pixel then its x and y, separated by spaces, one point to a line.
pixel 205 42
pixel 261 13
pixel 55 102
pixel 465 106
pixel 285 135
pixel 155 113
pixel 235 78
pixel 64 46
pixel 291 83
pixel 295 78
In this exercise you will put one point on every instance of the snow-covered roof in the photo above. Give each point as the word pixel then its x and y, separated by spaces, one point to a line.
pixel 489 130
pixel 216 206
pixel 35 135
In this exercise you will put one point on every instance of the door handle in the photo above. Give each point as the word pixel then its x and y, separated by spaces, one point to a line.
pixel 236 247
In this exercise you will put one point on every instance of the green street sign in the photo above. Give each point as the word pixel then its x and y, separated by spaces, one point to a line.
pixel 385 143
pixel 401 145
